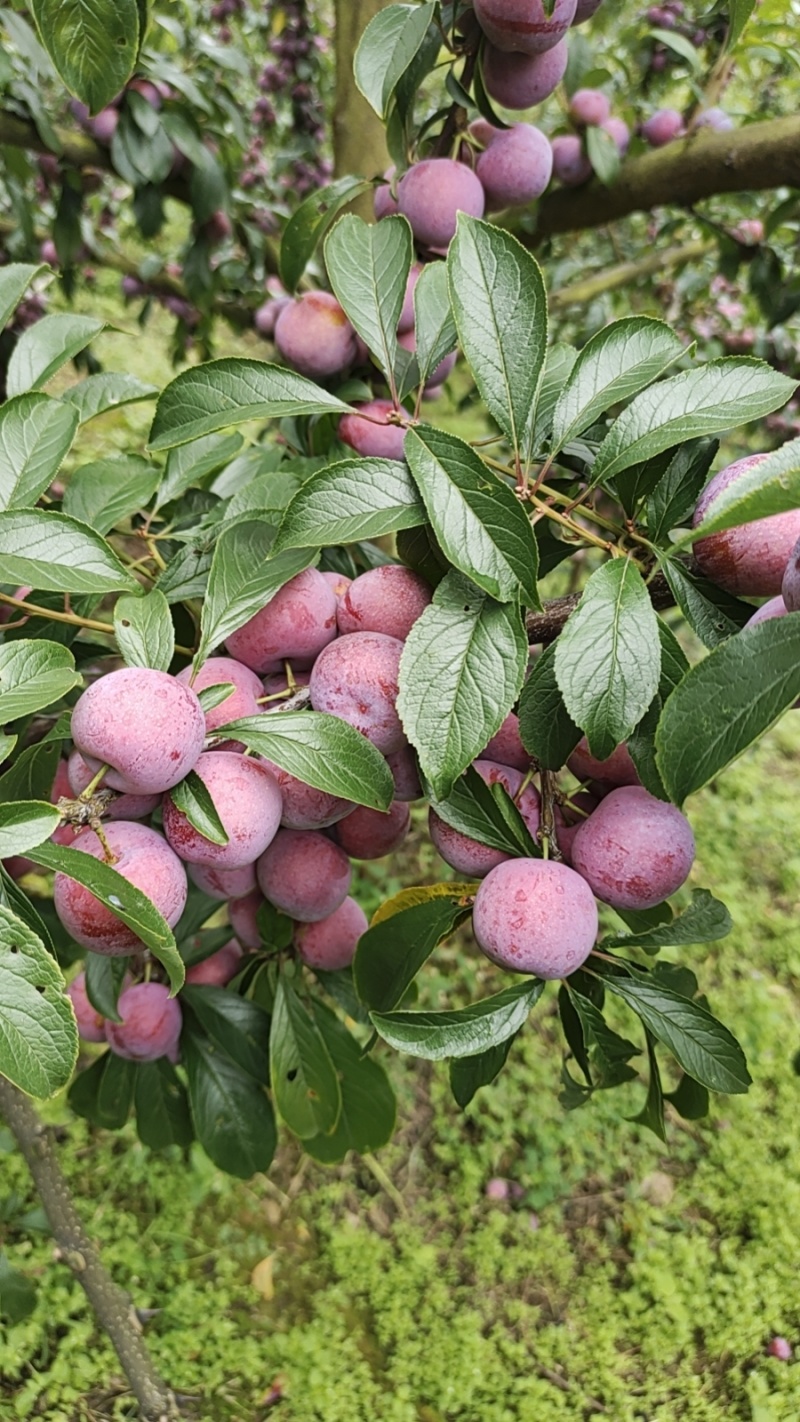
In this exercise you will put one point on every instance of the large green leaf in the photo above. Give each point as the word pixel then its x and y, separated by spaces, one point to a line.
pixel 107 491
pixel 240 1028
pixel 547 730
pixel 368 267
pixel 464 1032
pixel 469 1074
pixel 232 391
pixel 106 391
pixel 772 486
pixel 390 954
pixel 460 674
pixel 104 978
pixel 387 47
pixel 244 575
pixel 309 223
pixel 608 657
pixel 14 282
pixel 320 750
pixel 38 1035
pixel 190 464
pixel 615 364
pixel 367 1118
pixel 33 674
pixel 436 334
pixel 706 920
pixel 674 497
pixel 231 1113
pixel 500 309
pixel 304 1080
pixel 35 434
pixel 726 702
pixel 32 775
pixel 92 43
pixel 103 1094
pixel 162 1106
pixel 24 824
pixel 740 12
pixel 488 814
pixel 56 553
pixel 46 346
pixel 704 401
pixel 711 612
pixel 357 499
pixel 702 1046
pixel 144 631
pixel 476 517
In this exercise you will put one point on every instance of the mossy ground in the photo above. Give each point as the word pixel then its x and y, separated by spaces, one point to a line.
pixel 627 1279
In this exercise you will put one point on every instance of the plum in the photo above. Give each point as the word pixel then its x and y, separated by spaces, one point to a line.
pixel 585 9
pixel 468 856
pixel 439 374
pixel 304 807
pixel 790 583
pixel 248 802
pixel 776 607
pixel 243 918
pixel 407 315
pixel 617 129
pixel 388 599
pixel 370 433
pixel 589 107
pixel 104 125
pixel 151 1023
pixel 223 884
pixel 356 678
pixel 124 807
pixel 294 626
pixel 524 26
pixel 506 745
pixel 516 167
pixel 145 725
pixel 405 773
pixel 634 850
pixel 143 857
pixel 372 834
pixel 715 119
pixel 384 203
pixel 617 769
pixel 91 1023
pixel 218 969
pixel 331 943
pixel 304 874
pixel 570 164
pixel 266 315
pixel 314 336
pixel 339 583
pixel 518 81
pixel 278 682
pixel 242 701
pixel 663 127
pixel 535 916
pixel 749 560
pixel 432 193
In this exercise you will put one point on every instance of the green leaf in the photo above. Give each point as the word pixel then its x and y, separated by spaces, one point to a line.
pixel 38 1035
pixel 772 486
pixel 309 223
pixel 17 1293
pixel 387 48
pixel 15 280
pixel 608 656
pixel 369 1109
pixel 740 12
pixel 488 814
pixel 476 517
pixel 608 1052
pixel 103 1094
pixel 547 730
pixel 344 503
pixel 55 553
pixel 673 499
pixel 107 491
pixel 726 702
pixel 33 674
pixel 244 575
pixel 105 391
pixel 232 391
pixel 144 631
pixel 700 1044
pixel 705 921
pixel 469 1074
pixel 713 613
pixel 32 775
pixel 689 1099
pixel 652 1113
pixel 714 397
pixel 305 1084
pixel 390 954
pixel 193 799
pixel 320 750
pixel 186 575
pixel 92 43
pixel 123 899
pixel 191 463
pixel 436 334
pixel 104 979
pixel 559 363
pixel 35 434
pixel 24 824
pixel 231 1114
pixel 460 674
pixel 500 310
pixel 238 1027
pixel 212 696
pixel 464 1032
pixel 368 267
pixel 614 365
pixel 680 45
pixel 45 347
pixel 162 1106
pixel 603 154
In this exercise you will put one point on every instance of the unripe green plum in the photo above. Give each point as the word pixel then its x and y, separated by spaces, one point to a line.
pixel 248 802
pixel 519 81
pixel 91 1023
pixel 314 336
pixel 147 726
pixel 294 626
pixel 304 874
pixel 388 599
pixel 749 560
pixel 218 969
pixel 304 807
pixel 143 857
pixel 356 678
pixel 468 856
pixel 223 884
pixel 589 107
pixel 330 944
pixel 535 916
pixel 570 164
pixel 790 585
pixel 524 26
pixel 634 850
pixel 242 701
pixel 516 167
pixel 124 807
pixel 432 193
pixel 243 918
pixel 368 437
pixel 372 834
pixel 151 1024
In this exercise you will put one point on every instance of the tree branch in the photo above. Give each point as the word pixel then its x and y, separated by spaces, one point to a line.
pixel 625 274
pixel 544 627
pixel 110 1303
pixel 754 158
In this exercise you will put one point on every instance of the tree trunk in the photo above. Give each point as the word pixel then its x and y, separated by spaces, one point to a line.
pixel 359 143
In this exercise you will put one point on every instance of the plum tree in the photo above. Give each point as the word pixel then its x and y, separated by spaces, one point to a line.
pixel 314 336
pixel 389 599
pixel 749 560
pixel 634 850
pixel 519 81
pixel 248 802
pixel 516 167
pixel 304 874
pixel 151 1024
pixel 356 678
pixel 146 726
pixel 432 193
pixel 143 857
pixel 372 834
pixel 294 626
pixel 535 916
pixel 525 26
pixel 330 943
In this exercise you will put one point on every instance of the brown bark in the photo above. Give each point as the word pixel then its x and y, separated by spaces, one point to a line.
pixel 359 141
pixel 544 627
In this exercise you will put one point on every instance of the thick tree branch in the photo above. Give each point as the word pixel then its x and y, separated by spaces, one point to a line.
pixel 111 1305
pixel 754 158
pixel 625 274
pixel 544 627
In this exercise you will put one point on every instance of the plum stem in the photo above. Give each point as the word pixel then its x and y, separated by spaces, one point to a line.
pixel 94 783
